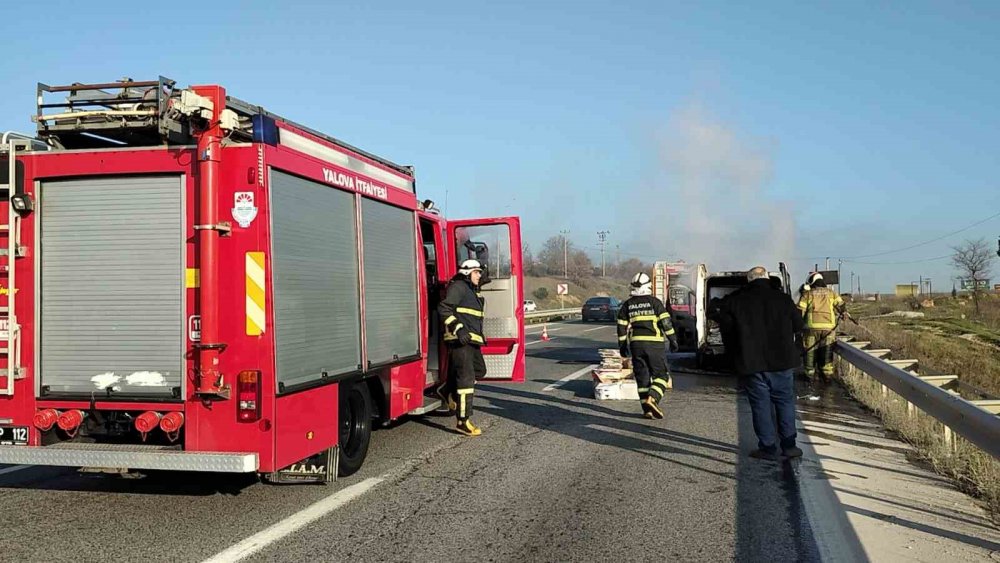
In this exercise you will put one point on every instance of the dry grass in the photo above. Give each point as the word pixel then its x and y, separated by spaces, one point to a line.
pixel 973 470
pixel 943 341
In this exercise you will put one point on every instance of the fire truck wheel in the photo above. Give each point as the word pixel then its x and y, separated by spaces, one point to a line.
pixel 355 427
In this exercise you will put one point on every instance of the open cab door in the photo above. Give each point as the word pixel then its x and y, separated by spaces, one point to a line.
pixel 701 304
pixel 496 243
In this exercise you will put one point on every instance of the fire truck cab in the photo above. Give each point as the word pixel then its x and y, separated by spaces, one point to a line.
pixel 190 282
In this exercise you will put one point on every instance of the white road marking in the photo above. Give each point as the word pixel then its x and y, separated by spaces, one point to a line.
pixel 570 377
pixel 295 522
pixel 535 342
pixel 599 328
pixel 7 470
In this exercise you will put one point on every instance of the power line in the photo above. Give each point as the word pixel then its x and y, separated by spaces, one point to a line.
pixel 918 245
pixel 936 258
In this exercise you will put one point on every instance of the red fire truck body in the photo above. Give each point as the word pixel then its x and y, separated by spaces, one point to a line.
pixel 196 284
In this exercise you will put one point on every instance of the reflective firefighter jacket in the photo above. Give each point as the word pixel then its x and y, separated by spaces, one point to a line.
pixel 820 308
pixel 643 318
pixel 462 308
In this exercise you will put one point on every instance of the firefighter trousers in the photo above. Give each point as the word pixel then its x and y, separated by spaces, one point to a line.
pixel 465 366
pixel 819 351
pixel 649 365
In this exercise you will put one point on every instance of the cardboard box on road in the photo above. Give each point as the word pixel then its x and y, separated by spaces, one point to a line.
pixel 613 379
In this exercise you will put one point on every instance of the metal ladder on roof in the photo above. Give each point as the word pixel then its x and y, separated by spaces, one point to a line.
pixel 10 330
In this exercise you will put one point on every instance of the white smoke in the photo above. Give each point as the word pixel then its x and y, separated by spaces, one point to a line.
pixel 708 201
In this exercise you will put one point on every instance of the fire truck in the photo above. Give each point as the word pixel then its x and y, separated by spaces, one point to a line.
pixel 193 283
pixel 668 286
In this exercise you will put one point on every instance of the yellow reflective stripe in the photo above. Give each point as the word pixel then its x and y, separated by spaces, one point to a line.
pixel 477 338
pixel 664 315
pixel 647 338
pixel 256 305
pixel 645 318
pixel 458 327
pixel 465 391
pixel 461 401
pixel 449 337
pixel 450 320
pixel 623 338
pixel 661 382
pixel 622 322
pixel 643 389
pixel 670 332
pixel 468 311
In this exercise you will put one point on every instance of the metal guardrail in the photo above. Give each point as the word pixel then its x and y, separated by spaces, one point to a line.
pixel 973 423
pixel 537 315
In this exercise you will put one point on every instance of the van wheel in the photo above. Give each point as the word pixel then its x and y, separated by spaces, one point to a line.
pixel 355 427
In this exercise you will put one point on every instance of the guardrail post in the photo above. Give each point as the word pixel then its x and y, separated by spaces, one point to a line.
pixel 949 438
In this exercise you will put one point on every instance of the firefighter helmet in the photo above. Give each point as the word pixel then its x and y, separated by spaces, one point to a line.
pixel 641 279
pixel 641 284
pixel 470 266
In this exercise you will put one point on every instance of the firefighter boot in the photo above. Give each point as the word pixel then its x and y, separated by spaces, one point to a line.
pixel 652 409
pixel 465 426
pixel 447 399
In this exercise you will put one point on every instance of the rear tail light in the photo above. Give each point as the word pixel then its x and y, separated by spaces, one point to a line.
pixel 44 420
pixel 70 421
pixel 248 396
pixel 172 422
pixel 147 422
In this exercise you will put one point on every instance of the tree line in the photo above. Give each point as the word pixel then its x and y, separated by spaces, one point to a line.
pixel 559 257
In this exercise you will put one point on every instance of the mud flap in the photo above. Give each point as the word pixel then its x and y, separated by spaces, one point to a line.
pixel 319 468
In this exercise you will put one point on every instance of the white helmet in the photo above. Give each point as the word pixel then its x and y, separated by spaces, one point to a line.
pixel 470 266
pixel 641 284
pixel 814 277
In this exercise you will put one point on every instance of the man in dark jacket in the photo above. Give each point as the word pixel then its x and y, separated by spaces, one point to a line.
pixel 764 323
pixel 462 315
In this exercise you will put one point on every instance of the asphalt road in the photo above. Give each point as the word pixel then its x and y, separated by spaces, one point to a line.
pixel 556 476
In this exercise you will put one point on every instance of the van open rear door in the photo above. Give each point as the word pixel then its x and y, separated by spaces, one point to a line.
pixel 496 243
pixel 701 304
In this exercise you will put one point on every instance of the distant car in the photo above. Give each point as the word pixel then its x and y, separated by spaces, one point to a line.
pixel 529 306
pixel 600 309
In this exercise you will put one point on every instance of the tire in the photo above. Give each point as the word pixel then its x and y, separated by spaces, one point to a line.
pixel 355 427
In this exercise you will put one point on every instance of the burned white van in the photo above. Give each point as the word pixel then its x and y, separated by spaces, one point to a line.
pixel 711 351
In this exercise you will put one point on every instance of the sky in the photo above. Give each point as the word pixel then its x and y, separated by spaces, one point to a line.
pixel 726 133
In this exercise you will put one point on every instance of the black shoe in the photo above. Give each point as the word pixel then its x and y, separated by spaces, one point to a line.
pixel 791 452
pixel 764 454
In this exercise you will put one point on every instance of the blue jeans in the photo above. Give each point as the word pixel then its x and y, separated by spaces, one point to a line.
pixel 772 394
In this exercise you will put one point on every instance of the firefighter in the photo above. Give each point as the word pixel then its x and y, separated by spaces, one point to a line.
pixel 462 316
pixel 643 326
pixel 821 309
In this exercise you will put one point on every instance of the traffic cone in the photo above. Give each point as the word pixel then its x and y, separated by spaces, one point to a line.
pixel 545 333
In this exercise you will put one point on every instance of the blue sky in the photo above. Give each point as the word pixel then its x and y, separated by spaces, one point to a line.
pixel 857 129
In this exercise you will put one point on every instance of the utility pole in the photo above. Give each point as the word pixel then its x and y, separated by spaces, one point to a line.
pixel 852 284
pixel 565 254
pixel 827 263
pixel 860 294
pixel 602 237
pixel 840 284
